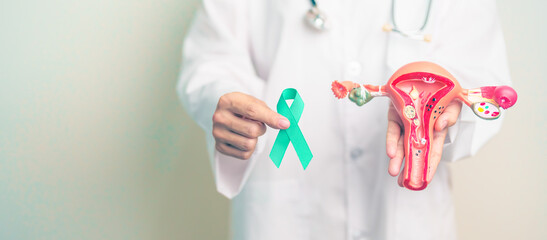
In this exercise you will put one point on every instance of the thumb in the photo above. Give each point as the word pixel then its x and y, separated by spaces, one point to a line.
pixel 449 117
pixel 277 121
pixel 262 113
pixel 268 117
pixel 251 108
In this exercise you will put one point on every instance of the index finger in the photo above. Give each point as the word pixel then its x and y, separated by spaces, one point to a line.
pixel 252 108
pixel 392 138
pixel 394 129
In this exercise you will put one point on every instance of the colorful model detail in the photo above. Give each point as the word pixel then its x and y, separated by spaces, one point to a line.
pixel 420 91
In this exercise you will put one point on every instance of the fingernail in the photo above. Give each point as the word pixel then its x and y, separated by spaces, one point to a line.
pixel 284 123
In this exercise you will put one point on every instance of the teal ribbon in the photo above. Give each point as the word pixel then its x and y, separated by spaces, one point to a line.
pixel 293 133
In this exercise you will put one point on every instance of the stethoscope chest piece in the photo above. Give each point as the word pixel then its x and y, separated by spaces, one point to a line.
pixel 317 19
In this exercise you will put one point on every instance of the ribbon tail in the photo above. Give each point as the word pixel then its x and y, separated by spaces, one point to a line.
pixel 300 146
pixel 304 154
pixel 280 147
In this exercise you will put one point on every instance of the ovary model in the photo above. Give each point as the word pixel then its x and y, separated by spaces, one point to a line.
pixel 420 91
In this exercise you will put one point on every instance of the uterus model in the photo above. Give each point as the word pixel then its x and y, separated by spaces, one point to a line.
pixel 420 91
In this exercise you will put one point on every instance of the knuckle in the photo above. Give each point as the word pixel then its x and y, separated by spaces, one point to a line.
pixel 219 147
pixel 217 117
pixel 451 122
pixel 224 100
pixel 258 101
pixel 252 130
pixel 246 155
pixel 216 132
pixel 252 110
pixel 249 144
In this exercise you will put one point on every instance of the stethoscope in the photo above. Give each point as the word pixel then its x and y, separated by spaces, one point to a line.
pixel 318 20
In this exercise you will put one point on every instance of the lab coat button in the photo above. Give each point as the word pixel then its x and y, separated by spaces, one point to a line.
pixel 353 68
pixel 356 153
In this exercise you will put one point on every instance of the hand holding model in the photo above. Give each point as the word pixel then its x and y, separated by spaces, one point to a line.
pixel 395 141
pixel 423 95
pixel 239 120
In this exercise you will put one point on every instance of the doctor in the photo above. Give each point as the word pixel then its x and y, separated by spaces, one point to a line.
pixel 240 55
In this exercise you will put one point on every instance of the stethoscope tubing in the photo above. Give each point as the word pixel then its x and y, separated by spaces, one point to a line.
pixel 406 33
pixel 317 20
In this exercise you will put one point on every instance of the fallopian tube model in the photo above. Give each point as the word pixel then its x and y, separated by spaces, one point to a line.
pixel 420 91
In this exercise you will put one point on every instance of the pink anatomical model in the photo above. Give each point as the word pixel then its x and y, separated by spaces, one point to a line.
pixel 420 91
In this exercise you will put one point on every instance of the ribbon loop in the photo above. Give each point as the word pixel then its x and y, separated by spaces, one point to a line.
pixel 293 133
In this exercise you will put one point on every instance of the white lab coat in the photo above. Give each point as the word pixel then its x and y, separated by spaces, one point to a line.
pixel 261 47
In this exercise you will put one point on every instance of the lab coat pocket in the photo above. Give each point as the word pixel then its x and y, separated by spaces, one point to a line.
pixel 275 210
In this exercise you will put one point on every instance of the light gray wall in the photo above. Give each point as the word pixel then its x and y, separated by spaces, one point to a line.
pixel 501 193
pixel 93 141
pixel 94 144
